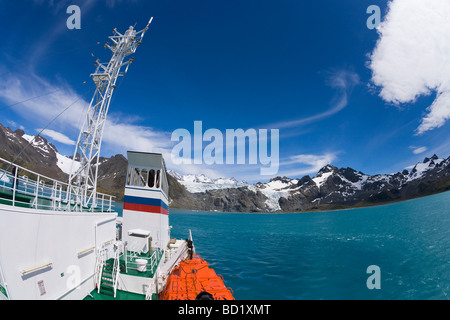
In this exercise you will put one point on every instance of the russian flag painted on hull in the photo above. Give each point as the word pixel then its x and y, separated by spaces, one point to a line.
pixel 145 204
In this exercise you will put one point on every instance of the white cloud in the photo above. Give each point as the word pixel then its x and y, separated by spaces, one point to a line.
pixel 305 164
pixel 43 103
pixel 36 99
pixel 418 150
pixel 57 136
pixel 121 134
pixel 12 123
pixel 411 57
pixel 128 136
pixel 438 113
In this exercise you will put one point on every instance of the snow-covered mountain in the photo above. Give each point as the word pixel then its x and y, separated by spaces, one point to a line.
pixel 200 182
pixel 36 153
pixel 329 188
pixel 47 149
pixel 39 155
pixel 347 186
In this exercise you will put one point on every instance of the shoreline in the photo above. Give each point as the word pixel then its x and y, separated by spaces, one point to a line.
pixel 315 210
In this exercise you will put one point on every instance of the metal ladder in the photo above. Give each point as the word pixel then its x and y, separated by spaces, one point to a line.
pixel 108 280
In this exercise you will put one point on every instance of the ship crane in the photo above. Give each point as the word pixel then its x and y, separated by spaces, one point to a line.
pixel 83 181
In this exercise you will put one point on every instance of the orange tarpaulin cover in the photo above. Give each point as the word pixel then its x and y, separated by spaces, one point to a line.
pixel 192 277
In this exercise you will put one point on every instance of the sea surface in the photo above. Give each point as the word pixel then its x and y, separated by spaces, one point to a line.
pixel 325 255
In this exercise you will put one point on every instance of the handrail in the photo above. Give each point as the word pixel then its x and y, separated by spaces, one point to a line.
pixel 116 267
pixel 24 272
pixel 60 195
pixel 85 251
pixel 102 256
pixel 152 261
pixel 151 289
pixel 178 255
pixel 100 272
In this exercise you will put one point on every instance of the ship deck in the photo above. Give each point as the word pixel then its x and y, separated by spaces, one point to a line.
pixel 27 189
pixel 131 271
pixel 132 256
pixel 120 295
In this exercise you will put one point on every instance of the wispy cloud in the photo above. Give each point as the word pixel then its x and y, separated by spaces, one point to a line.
pixel 14 124
pixel 35 98
pixel 57 136
pixel 120 134
pixel 411 57
pixel 418 150
pixel 303 164
pixel 343 81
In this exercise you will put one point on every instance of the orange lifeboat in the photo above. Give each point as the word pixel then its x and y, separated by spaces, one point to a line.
pixel 194 280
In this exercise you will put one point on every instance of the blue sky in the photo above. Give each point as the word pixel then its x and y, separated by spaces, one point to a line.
pixel 340 93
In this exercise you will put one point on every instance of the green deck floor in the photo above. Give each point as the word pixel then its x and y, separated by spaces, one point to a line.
pixel 120 295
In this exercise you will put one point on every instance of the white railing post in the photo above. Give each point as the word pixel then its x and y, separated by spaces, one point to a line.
pixel 14 187
pixel 36 192
pixel 60 197
pixel 25 184
pixel 53 195
pixel 125 250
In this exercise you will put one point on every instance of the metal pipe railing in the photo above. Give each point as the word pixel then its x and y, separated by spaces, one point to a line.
pixel 45 193
pixel 152 261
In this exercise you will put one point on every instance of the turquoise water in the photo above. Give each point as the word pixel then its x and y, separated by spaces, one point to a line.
pixel 325 255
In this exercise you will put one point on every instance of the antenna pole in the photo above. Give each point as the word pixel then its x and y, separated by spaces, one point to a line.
pixel 83 181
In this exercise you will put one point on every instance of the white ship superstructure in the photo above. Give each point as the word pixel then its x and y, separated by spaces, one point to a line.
pixel 48 250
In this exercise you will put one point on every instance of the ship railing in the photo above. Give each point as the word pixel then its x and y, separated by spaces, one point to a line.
pixel 98 271
pixel 152 260
pixel 32 190
pixel 101 257
pixel 119 248
pixel 151 289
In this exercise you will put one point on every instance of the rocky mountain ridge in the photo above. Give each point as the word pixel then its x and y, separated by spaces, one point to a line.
pixel 331 188
pixel 37 154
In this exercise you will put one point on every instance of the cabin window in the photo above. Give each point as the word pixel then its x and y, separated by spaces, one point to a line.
pixel 130 171
pixel 157 178
pixel 164 186
pixel 151 178
pixel 144 175
pixel 136 176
